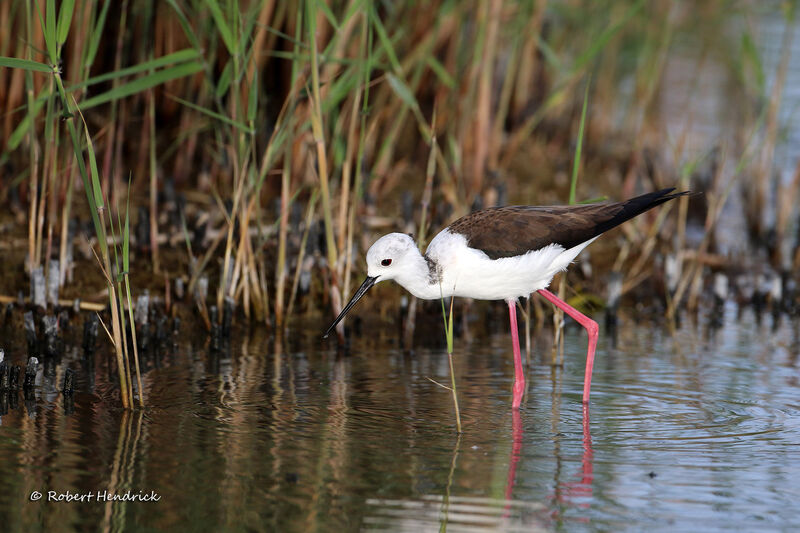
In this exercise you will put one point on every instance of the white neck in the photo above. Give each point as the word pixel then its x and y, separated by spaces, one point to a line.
pixel 415 277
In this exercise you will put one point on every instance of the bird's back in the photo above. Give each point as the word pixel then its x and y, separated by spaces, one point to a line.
pixel 514 230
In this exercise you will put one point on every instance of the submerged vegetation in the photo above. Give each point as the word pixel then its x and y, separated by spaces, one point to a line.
pixel 262 144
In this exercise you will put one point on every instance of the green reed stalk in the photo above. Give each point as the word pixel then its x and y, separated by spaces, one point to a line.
pixel 448 329
pixel 427 192
pixel 504 102
pixel 249 271
pixel 286 183
pixel 347 167
pixel 65 215
pixel 32 143
pixel 322 160
pixel 49 175
pixel 576 163
pixel 318 131
pixel 116 320
pixel 365 64
pixel 153 178
pixel 280 264
pixel 126 265
pixel 309 220
pixel 116 277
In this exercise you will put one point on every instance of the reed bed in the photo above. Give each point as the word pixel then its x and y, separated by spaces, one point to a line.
pixel 263 144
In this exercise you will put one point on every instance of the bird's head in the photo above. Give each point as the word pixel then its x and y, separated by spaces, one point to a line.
pixel 386 259
pixel 388 255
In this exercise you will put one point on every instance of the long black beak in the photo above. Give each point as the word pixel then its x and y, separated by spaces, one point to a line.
pixel 362 290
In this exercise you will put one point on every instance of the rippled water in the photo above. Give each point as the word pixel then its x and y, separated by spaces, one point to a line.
pixel 700 429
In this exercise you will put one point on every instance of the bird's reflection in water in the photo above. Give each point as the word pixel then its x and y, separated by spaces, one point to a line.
pixel 578 493
pixel 565 491
pixel 516 450
pixel 587 464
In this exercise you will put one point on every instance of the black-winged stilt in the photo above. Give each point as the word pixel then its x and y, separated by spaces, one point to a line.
pixel 503 253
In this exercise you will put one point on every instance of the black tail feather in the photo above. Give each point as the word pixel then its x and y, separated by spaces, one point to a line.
pixel 637 206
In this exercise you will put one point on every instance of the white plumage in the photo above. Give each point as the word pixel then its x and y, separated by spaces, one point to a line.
pixel 455 269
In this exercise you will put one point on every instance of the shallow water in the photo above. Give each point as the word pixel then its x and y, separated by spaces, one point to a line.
pixel 696 430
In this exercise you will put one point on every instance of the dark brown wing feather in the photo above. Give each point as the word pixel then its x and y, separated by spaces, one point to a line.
pixel 514 230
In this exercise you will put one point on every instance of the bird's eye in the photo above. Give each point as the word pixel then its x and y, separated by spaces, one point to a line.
pixel 386 262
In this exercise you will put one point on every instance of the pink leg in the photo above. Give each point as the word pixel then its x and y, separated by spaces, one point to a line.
pixel 591 328
pixel 519 374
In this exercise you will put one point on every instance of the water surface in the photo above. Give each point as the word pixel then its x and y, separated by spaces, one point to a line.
pixel 696 429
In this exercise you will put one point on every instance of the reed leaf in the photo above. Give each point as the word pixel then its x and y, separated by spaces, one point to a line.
pixel 440 71
pixel 23 127
pixel 145 82
pixel 96 34
pixel 214 115
pixel 224 82
pixel 246 32
pixel 402 91
pixel 184 22
pixel 383 37
pixel 181 56
pixel 64 20
pixel 231 43
pixel 25 64
pixel 326 10
pixel 600 42
pixel 576 163
pixel 126 234
pixel 49 29
pixel 548 53
pixel 252 100
pixel 339 90
pixel 593 200
pixel 95 180
pixel 752 67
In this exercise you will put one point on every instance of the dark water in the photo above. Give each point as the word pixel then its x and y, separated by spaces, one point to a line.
pixel 700 430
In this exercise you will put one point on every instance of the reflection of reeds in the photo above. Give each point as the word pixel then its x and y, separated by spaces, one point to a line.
pixel 123 468
pixel 445 511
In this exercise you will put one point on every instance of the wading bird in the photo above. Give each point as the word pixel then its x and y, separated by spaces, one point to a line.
pixel 503 253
